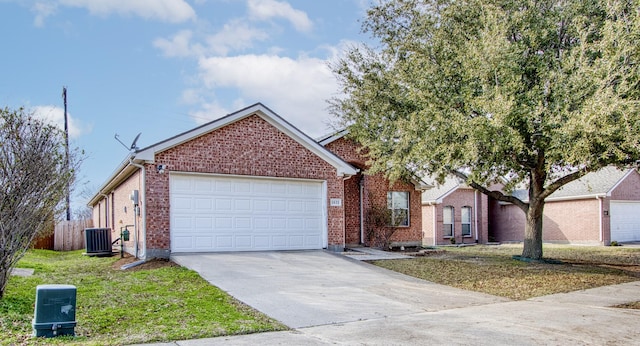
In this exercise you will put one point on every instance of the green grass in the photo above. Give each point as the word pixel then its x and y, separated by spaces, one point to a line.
pixel 117 307
pixel 491 269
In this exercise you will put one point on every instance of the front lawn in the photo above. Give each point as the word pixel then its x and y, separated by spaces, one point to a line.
pixel 491 269
pixel 161 302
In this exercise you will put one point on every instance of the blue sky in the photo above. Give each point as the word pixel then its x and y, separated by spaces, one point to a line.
pixel 162 67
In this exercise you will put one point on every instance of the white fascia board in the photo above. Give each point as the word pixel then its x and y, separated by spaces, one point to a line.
pixel 565 198
pixel 148 154
pixel 569 198
pixel 446 194
pixel 121 172
pixel 342 168
pixel 334 137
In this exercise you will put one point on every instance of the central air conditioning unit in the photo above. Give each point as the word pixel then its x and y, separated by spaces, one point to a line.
pixel 98 241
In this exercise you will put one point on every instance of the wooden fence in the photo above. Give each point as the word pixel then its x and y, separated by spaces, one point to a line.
pixel 69 235
pixel 45 242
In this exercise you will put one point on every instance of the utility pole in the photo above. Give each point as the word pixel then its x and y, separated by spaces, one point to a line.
pixel 66 150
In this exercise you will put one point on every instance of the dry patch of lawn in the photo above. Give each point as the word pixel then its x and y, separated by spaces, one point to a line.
pixel 634 305
pixel 492 270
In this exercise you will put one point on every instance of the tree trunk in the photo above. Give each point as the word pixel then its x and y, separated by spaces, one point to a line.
pixel 4 278
pixel 533 230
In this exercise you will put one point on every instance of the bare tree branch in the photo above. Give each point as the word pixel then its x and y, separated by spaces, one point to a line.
pixel 33 181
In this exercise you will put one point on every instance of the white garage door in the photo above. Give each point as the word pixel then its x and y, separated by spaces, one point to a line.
pixel 230 213
pixel 625 221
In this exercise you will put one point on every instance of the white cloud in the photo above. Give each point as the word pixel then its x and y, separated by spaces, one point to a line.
pixel 42 10
pixel 267 9
pixel 295 88
pixel 209 111
pixel 55 116
pixel 179 45
pixel 173 11
pixel 235 35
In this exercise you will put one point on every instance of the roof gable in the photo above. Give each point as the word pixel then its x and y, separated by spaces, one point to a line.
pixel 148 154
pixel 440 191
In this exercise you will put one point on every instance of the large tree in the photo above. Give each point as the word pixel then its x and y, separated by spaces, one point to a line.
pixel 522 93
pixel 34 176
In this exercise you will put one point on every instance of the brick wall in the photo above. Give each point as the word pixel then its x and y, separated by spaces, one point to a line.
pixel 628 189
pixel 124 213
pixel 116 210
pixel 575 221
pixel 250 146
pixel 96 213
pixel 462 197
pixel 428 219
pixel 375 188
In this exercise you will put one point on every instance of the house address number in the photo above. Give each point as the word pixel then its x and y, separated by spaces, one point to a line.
pixel 335 202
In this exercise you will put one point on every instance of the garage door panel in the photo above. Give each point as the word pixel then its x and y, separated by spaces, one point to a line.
pixel 203 242
pixel 203 223
pixel 181 203
pixel 278 188
pixel 243 242
pixel 242 205
pixel 202 186
pixel 244 223
pixel 279 205
pixel 203 204
pixel 180 243
pixel 223 186
pixel 224 223
pixel 217 213
pixel 625 221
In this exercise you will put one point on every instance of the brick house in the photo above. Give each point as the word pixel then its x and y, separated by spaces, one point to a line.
pixel 453 212
pixel 368 199
pixel 246 182
pixel 600 207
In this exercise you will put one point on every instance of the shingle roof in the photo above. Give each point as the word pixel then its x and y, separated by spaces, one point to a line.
pixel 439 191
pixel 594 183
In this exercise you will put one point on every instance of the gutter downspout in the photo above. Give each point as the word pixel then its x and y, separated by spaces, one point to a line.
pixel 361 183
pixel 600 207
pixel 475 212
pixel 435 223
pixel 143 206
pixel 106 209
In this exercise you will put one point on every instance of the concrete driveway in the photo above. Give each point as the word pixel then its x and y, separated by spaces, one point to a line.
pixel 312 288
pixel 330 300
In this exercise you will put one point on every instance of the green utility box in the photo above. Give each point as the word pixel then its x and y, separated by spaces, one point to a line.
pixel 55 312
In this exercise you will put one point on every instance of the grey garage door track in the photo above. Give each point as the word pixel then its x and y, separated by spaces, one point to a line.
pixel 312 288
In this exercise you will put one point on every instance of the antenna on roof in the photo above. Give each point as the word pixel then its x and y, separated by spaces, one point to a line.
pixel 135 140
pixel 133 145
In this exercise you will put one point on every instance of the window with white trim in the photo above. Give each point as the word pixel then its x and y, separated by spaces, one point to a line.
pixel 398 205
pixel 447 221
pixel 466 221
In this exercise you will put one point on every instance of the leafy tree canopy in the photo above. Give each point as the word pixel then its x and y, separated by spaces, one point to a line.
pixel 512 91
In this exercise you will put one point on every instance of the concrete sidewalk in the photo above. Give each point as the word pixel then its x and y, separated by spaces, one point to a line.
pixel 331 300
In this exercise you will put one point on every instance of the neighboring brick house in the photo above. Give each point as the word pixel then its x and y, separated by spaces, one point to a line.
pixel 370 198
pixel 600 207
pixel 453 212
pixel 248 181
